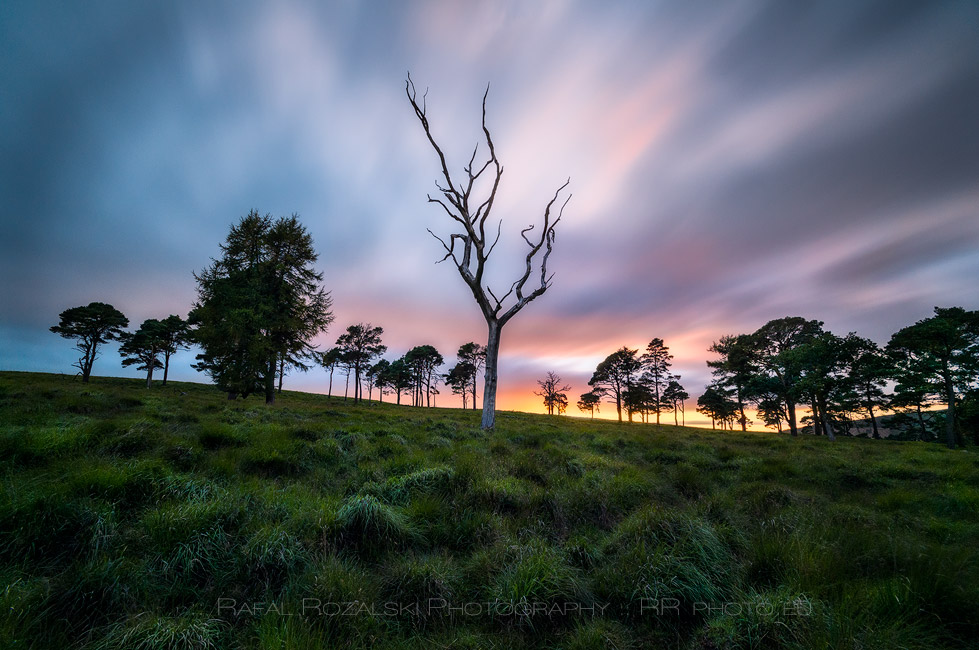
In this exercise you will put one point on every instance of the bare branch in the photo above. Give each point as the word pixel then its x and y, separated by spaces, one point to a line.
pixel 499 226
pixel 456 204
pixel 499 303
pixel 420 112
pixel 448 249
pixel 526 230
pixel 449 212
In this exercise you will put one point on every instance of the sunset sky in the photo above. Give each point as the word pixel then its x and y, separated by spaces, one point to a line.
pixel 730 163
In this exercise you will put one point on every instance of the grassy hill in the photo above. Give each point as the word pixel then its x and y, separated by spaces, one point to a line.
pixel 173 518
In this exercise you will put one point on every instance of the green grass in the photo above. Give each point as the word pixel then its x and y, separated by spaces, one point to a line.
pixel 173 518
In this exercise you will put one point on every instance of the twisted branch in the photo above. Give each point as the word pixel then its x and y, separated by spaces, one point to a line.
pixel 473 240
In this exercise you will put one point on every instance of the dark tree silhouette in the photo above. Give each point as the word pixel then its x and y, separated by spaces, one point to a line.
pixel 460 379
pixel 330 359
pixel 638 397
pixel 675 395
pixel 554 394
pixel 143 348
pixel 867 368
pixel 175 333
pixel 915 386
pixel 766 391
pixel 474 355
pixel 259 304
pixel 91 326
pixel 817 364
pixel 943 349
pixel 776 338
pixel 717 404
pixel 424 362
pixel 736 367
pixel 381 374
pixel 615 375
pixel 360 345
pixel 398 377
pixel 589 402
pixel 656 362
pixel 470 245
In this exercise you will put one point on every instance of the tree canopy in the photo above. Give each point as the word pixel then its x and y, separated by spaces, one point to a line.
pixel 143 347
pixel 91 326
pixel 260 303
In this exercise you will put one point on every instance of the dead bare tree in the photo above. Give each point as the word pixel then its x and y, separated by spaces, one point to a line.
pixel 469 246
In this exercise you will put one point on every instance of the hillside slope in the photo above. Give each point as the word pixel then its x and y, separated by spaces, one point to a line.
pixel 173 518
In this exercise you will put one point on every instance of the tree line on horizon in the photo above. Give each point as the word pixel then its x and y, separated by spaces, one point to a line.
pixel 793 362
pixel 260 305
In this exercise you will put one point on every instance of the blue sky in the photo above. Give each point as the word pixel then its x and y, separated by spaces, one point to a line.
pixel 730 163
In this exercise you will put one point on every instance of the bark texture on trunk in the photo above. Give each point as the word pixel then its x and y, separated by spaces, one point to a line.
pixel 489 386
pixel 873 421
pixel 792 424
pixel 270 383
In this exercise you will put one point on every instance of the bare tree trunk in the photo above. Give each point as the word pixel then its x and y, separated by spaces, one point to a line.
pixel 149 376
pixel 489 387
pixel 817 422
pixel 921 423
pixel 329 392
pixel 346 386
pixel 950 413
pixel 873 420
pixel 89 360
pixel 792 425
pixel 270 383
pixel 827 424
pixel 282 371
pixel 166 367
pixel 656 391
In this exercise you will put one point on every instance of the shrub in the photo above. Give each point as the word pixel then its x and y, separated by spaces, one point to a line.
pixel 370 525
pixel 535 575
pixel 399 489
pixel 656 553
